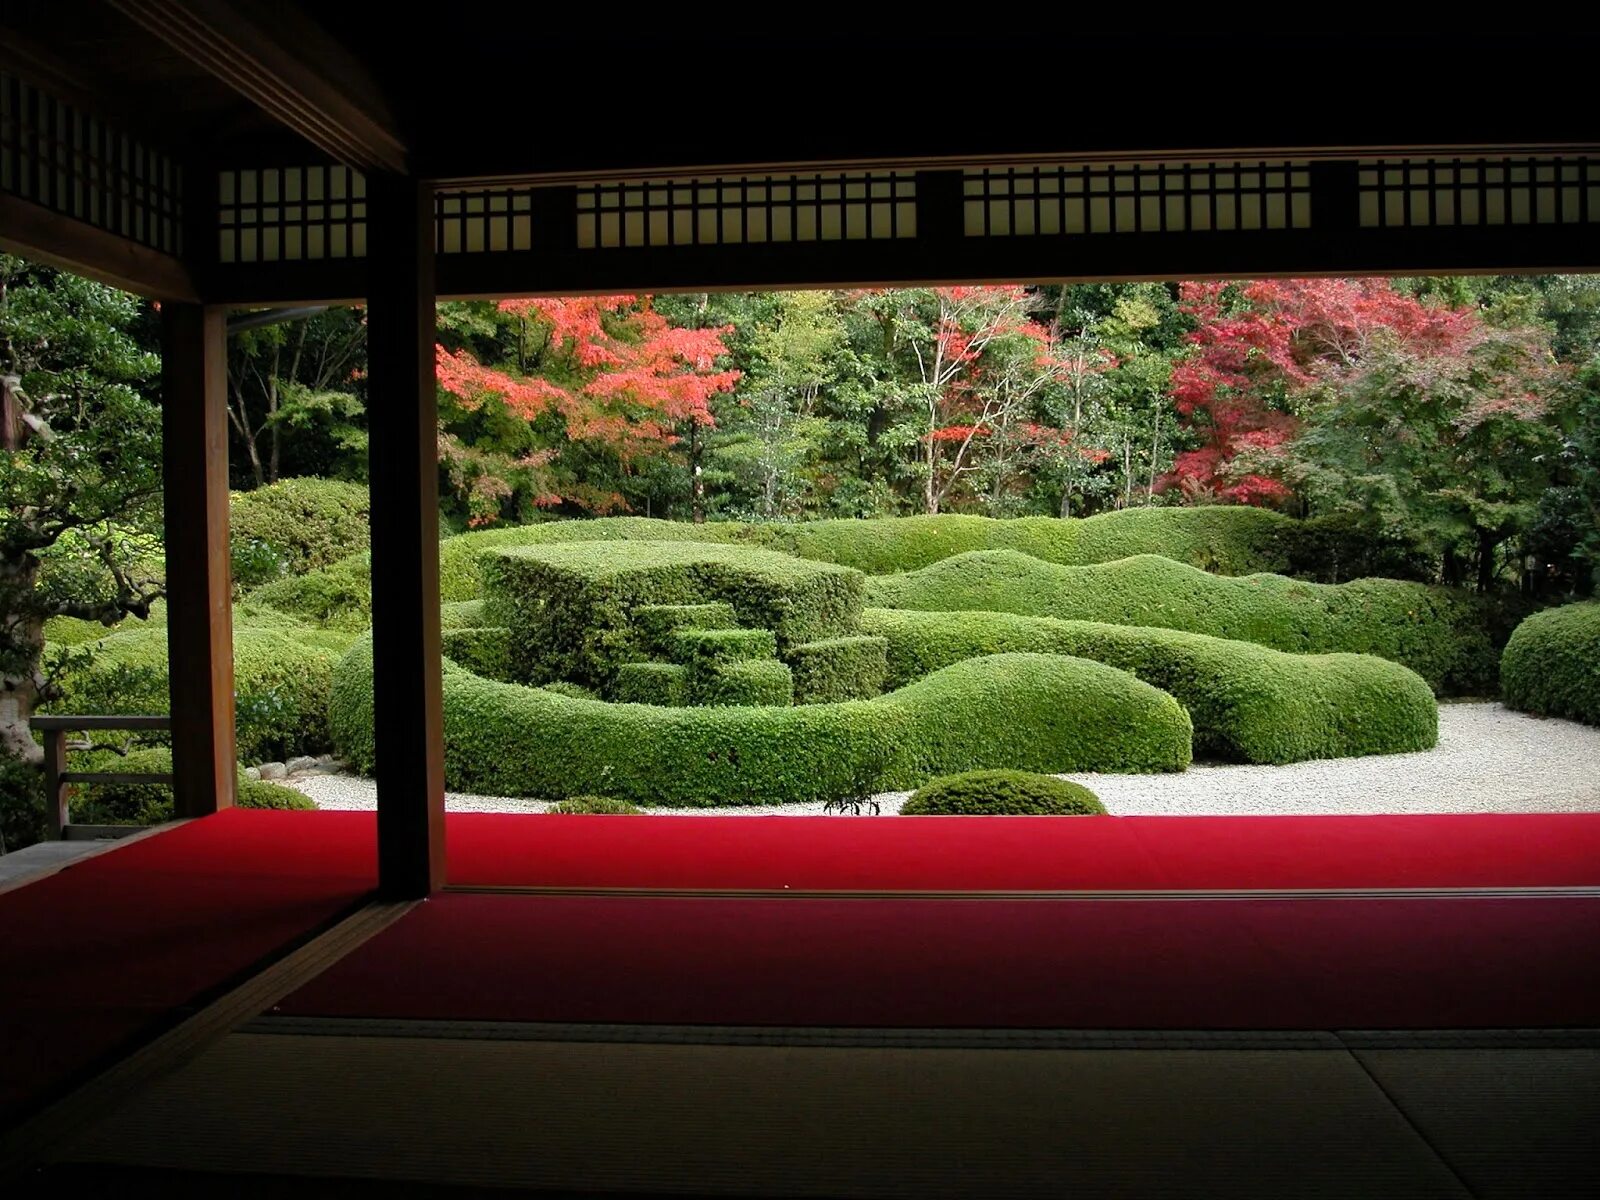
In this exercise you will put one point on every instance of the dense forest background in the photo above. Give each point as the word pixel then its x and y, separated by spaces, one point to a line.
pixel 1452 420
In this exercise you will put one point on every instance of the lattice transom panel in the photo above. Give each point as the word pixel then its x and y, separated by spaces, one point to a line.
pixel 477 221
pixel 1094 198
pixel 822 207
pixel 77 165
pixel 291 214
pixel 1396 193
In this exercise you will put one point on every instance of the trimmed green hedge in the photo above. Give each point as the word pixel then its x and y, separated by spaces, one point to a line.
pixel 656 623
pixel 694 647
pixel 1226 540
pixel 484 651
pixel 1552 663
pixel 1033 711
pixel 282 678
pixel 1248 703
pixel 1002 794
pixel 651 683
pixel 752 682
pixel 843 668
pixel 569 605
pixel 1437 632
pixel 1230 540
pixel 294 526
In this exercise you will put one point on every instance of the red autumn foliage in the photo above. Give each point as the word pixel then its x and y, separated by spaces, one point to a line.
pixel 1258 344
pixel 618 375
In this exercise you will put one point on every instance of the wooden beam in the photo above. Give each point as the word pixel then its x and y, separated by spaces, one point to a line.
pixel 403 423
pixel 289 66
pixel 194 431
pixel 37 233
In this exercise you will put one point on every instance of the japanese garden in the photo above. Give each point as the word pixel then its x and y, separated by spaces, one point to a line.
pixel 812 551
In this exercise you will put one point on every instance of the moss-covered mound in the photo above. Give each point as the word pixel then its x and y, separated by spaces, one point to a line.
pixel 1248 703
pixel 569 606
pixel 1436 632
pixel 1031 711
pixel 1552 663
pixel 282 680
pixel 1002 794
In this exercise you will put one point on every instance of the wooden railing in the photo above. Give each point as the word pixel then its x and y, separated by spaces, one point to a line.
pixel 59 781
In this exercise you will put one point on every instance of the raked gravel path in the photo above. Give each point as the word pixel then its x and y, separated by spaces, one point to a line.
pixel 1489 759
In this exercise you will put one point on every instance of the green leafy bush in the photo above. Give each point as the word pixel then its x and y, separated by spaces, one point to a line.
pixel 282 678
pixel 650 683
pixel 844 668
pixel 22 814
pixel 656 623
pixel 1248 703
pixel 1436 632
pixel 1038 712
pixel 694 647
pixel 151 803
pixel 1552 663
pixel 336 597
pixel 740 681
pixel 1002 794
pixel 294 526
pixel 569 606
pixel 608 806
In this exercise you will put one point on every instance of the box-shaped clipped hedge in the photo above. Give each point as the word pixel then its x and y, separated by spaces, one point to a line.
pixel 844 668
pixel 569 606
pixel 754 682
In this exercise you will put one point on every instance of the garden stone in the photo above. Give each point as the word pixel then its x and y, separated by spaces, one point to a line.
pixel 303 763
pixel 252 773
pixel 272 770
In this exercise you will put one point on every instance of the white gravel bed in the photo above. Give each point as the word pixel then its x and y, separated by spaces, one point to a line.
pixel 1489 759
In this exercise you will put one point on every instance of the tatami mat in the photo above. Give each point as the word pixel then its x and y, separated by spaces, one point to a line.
pixel 774 1120
pixel 1513 1122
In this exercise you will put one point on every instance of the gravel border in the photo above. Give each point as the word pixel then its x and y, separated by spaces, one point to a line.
pixel 1489 759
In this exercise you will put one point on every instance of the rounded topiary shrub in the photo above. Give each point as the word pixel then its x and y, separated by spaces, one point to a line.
pixel 294 526
pixel 1002 794
pixel 606 806
pixel 1552 663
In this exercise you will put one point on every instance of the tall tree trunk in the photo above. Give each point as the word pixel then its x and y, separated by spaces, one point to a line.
pixel 22 643
pixel 697 481
pixel 1487 544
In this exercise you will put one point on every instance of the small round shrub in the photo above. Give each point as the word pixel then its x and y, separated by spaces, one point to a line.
pixel 294 526
pixel 22 820
pixel 1552 663
pixel 608 806
pixel 1002 794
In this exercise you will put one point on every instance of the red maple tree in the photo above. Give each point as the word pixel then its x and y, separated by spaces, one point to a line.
pixel 1261 343
pixel 617 375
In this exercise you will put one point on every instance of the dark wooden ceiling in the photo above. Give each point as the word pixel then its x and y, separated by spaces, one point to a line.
pixel 476 93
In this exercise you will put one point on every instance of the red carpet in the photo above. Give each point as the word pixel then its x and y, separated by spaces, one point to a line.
pixel 1027 853
pixel 106 952
pixel 1095 964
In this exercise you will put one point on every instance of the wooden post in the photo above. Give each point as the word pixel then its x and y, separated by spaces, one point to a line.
pixel 55 789
pixel 194 431
pixel 402 414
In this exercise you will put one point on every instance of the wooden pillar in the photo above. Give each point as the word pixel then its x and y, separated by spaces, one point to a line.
pixel 194 432
pixel 402 414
